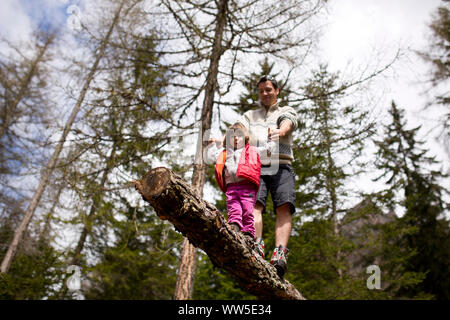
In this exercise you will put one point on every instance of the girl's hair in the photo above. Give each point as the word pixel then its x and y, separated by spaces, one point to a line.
pixel 236 126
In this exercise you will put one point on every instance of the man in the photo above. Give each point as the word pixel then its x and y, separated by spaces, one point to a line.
pixel 270 121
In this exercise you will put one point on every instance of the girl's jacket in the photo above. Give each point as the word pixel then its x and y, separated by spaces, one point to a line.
pixel 237 165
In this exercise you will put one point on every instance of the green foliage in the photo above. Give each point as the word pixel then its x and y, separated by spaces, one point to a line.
pixel 329 256
pixel 406 168
pixel 307 268
pixel 368 237
pixel 212 283
pixel 141 263
pixel 438 53
pixel 34 272
pixel 330 148
pixel 396 254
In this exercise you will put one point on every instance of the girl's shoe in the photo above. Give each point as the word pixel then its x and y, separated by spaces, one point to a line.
pixel 235 227
pixel 248 235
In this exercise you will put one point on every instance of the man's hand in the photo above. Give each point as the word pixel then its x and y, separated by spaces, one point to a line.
pixel 276 134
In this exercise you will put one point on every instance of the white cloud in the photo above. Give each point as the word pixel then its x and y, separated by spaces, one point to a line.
pixel 14 21
pixel 356 27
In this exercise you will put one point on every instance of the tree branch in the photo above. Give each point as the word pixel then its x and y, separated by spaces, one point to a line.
pixel 175 200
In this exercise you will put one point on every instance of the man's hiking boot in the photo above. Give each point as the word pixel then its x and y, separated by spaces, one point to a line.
pixel 259 246
pixel 279 260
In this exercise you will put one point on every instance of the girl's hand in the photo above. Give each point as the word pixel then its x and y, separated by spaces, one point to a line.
pixel 216 141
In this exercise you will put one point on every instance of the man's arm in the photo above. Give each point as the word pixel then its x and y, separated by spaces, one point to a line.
pixel 286 128
pixel 286 122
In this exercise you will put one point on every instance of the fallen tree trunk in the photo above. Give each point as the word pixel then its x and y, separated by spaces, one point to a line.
pixel 174 200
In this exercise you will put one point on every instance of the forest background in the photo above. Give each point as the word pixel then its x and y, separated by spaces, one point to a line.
pixel 93 95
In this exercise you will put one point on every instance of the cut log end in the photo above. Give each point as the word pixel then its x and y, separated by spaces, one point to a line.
pixel 155 182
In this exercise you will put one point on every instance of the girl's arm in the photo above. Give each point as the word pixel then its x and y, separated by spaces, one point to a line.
pixel 212 151
pixel 269 147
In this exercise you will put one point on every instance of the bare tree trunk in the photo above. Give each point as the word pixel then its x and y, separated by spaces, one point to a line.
pixel 18 235
pixel 46 229
pixel 331 186
pixel 332 191
pixel 186 272
pixel 175 200
pixel 24 86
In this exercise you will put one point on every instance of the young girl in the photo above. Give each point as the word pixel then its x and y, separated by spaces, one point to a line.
pixel 238 171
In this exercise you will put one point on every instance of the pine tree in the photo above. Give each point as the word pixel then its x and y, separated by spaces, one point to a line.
pixel 142 262
pixel 437 55
pixel 37 267
pixel 339 133
pixel 24 83
pixel 407 170
pixel 50 166
pixel 118 140
pixel 25 100
pixel 327 155
pixel 112 141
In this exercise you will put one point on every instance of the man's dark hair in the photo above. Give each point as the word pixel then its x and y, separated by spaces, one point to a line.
pixel 268 78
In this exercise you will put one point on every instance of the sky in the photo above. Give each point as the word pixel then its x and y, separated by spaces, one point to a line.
pixel 361 31
pixel 355 32
pixel 374 30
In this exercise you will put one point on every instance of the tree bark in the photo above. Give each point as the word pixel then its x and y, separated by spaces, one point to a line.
pixel 176 201
pixel 48 170
pixel 46 229
pixel 186 272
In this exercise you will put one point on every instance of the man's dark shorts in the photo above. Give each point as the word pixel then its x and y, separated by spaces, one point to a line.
pixel 280 185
